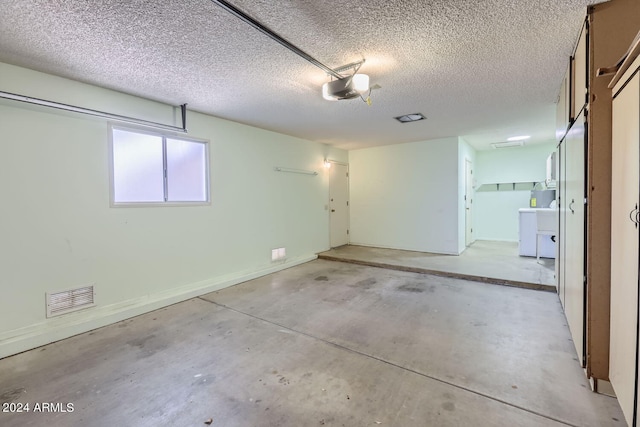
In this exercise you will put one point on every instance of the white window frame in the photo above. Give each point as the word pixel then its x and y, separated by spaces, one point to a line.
pixel 164 136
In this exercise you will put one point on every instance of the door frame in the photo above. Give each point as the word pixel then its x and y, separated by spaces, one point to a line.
pixel 331 163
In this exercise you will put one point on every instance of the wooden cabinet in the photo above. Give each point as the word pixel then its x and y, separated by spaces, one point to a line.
pixel 584 247
pixel 563 112
pixel 580 75
pixel 574 233
pixel 571 266
pixel 625 239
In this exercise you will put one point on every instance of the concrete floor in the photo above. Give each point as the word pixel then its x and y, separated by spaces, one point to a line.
pixel 486 261
pixel 323 343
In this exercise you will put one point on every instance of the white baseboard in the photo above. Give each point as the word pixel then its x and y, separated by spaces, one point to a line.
pixel 58 328
pixel 488 239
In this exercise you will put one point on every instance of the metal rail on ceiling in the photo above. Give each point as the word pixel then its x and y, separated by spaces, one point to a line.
pixel 275 36
pixel 97 113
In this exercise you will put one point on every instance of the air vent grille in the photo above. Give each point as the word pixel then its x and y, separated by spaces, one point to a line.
pixel 409 118
pixel 70 300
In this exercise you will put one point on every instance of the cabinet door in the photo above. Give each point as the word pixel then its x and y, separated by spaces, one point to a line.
pixel 575 234
pixel 562 225
pixel 624 245
pixel 564 104
pixel 579 73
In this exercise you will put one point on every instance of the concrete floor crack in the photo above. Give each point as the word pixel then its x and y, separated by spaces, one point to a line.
pixel 390 363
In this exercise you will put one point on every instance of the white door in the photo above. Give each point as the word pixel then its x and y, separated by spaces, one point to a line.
pixel 468 202
pixel 624 245
pixel 339 204
pixel 574 246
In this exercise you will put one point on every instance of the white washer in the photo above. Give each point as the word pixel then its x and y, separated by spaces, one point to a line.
pixel 527 240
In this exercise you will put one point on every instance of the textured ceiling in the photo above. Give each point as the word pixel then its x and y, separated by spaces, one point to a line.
pixel 484 70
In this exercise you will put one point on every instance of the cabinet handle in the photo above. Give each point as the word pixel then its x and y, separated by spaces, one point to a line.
pixel 571 206
pixel 631 216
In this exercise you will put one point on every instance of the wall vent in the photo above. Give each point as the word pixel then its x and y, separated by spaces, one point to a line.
pixel 70 300
pixel 278 254
pixel 410 118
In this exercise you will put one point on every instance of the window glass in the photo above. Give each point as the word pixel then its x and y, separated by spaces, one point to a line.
pixel 186 171
pixel 138 171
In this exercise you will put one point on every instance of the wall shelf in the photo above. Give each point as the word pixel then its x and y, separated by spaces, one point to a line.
pixel 508 186
pixel 292 170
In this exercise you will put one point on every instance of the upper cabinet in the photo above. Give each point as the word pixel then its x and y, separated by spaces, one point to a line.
pixel 573 95
pixel 579 71
pixel 564 104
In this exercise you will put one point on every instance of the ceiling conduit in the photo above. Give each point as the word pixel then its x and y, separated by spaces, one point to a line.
pixel 102 114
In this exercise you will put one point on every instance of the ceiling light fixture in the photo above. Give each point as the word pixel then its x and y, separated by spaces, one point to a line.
pixel 519 138
pixel 348 87
pixel 507 144
pixel 408 118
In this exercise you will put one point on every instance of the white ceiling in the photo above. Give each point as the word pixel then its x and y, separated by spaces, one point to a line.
pixel 484 70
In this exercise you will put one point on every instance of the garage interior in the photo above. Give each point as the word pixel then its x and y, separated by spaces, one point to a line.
pixel 324 343
pixel 303 213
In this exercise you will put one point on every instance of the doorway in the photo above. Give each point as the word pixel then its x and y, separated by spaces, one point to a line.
pixel 468 202
pixel 339 204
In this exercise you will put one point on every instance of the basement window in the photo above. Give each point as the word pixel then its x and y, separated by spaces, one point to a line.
pixel 157 168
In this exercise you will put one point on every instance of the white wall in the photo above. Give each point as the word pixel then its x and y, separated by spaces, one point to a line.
pixel 496 212
pixel 58 231
pixel 465 152
pixel 405 196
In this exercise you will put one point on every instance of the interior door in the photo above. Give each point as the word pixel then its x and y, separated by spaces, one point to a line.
pixel 339 204
pixel 468 202
pixel 624 245
pixel 575 220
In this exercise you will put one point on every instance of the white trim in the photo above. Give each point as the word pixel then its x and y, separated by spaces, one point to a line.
pixel 157 204
pixel 58 328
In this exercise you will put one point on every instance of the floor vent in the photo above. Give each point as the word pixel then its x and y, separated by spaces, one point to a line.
pixel 70 300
